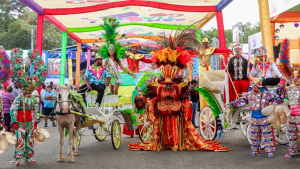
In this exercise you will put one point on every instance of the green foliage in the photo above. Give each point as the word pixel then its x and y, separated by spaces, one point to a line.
pixel 8 14
pixel 131 113
pixel 18 33
pixel 248 29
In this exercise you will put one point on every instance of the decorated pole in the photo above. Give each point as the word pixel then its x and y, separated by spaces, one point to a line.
pixel 63 58
pixel 222 41
pixel 39 33
pixel 88 63
pixel 77 80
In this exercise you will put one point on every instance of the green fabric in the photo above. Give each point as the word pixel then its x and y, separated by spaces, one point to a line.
pixel 63 58
pixel 131 114
pixel 211 100
pixel 76 97
pixel 153 25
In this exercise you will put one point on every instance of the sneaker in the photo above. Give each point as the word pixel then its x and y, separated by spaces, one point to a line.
pixel 45 125
pixel 18 162
pixel 255 153
pixel 97 105
pixel 53 125
pixel 29 160
pixel 270 155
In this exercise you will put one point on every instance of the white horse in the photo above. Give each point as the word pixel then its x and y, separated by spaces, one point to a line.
pixel 67 120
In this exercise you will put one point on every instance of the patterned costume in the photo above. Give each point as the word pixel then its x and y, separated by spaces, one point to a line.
pixel 169 109
pixel 292 93
pixel 25 108
pixel 257 99
pixel 24 146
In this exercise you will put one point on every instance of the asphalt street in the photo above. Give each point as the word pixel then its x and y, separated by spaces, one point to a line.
pixel 95 154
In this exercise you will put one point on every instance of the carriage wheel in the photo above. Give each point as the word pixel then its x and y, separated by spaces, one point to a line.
pixel 207 124
pixel 116 134
pixel 100 133
pixel 282 136
pixel 74 139
pixel 245 121
pixel 249 139
pixel 144 132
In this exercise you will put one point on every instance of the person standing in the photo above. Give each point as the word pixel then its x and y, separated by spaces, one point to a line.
pixel 49 98
pixel 237 68
pixel 195 100
pixel 270 68
pixel 8 99
pixel 42 99
pixel 95 77
pixel 15 92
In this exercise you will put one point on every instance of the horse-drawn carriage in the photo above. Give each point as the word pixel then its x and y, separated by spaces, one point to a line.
pixel 211 117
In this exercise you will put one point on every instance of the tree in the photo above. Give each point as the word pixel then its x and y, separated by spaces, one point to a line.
pixel 19 33
pixel 247 28
pixel 9 10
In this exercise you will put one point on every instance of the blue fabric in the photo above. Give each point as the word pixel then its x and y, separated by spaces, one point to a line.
pixel 257 114
pixel 31 70
pixel 195 107
pixel 92 78
pixel 47 103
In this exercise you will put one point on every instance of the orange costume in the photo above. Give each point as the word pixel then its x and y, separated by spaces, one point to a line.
pixel 134 59
pixel 169 109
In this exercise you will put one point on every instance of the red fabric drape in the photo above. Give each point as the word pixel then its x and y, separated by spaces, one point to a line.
pixel 39 33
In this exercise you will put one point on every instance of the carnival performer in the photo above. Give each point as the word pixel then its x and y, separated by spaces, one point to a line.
pixel 133 59
pixel 25 108
pixel 257 99
pixel 237 68
pixel 205 62
pixel 270 66
pixel 95 77
pixel 169 109
pixel 113 51
pixel 291 92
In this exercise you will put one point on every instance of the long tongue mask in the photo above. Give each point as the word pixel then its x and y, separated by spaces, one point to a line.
pixel 256 82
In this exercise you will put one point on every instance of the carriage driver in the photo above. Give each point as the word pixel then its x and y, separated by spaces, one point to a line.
pixel 94 79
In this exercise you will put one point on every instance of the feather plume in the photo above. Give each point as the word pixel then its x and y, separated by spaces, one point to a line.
pixel 284 65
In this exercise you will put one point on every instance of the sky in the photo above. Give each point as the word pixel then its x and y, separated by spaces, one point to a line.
pixel 237 11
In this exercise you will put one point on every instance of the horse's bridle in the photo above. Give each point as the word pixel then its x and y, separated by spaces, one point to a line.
pixel 60 106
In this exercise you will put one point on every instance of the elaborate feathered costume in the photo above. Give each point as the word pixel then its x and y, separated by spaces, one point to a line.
pixel 111 36
pixel 169 109
pixel 257 99
pixel 25 108
pixel 292 94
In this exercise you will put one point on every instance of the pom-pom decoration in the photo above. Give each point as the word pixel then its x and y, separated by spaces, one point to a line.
pixel 284 66
pixel 6 70
pixel 26 82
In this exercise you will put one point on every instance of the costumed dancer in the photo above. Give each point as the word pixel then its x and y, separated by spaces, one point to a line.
pixel 113 51
pixel 169 109
pixel 292 93
pixel 25 108
pixel 133 59
pixel 205 62
pixel 270 67
pixel 257 99
pixel 237 68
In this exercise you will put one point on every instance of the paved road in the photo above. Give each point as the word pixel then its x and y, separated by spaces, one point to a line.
pixel 95 154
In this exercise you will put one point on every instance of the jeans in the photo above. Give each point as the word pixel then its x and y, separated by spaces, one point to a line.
pixel 195 107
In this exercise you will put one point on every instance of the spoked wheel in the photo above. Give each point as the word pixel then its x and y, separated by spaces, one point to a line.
pixel 207 124
pixel 245 121
pixel 144 129
pixel 116 134
pixel 100 133
pixel 282 136
pixel 249 138
pixel 74 139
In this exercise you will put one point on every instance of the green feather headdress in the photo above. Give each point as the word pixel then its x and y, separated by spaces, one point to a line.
pixel 110 36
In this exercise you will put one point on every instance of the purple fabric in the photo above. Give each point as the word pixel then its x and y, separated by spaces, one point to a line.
pixel 7 119
pixel 33 5
pixel 7 98
pixel 86 46
pixel 221 5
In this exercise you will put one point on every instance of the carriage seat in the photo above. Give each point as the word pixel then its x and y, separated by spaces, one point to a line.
pixel 115 101
pixel 270 88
